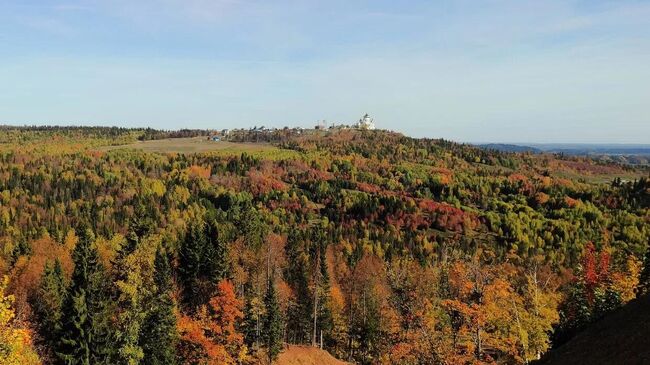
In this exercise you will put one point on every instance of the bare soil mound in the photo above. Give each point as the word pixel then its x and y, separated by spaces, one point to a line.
pixel 306 355
pixel 622 337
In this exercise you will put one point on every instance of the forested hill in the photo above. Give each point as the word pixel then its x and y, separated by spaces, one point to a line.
pixel 382 248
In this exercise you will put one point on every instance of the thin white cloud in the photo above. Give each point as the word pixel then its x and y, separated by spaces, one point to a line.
pixel 512 71
pixel 157 14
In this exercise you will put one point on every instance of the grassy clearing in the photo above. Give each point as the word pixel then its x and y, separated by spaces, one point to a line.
pixel 193 145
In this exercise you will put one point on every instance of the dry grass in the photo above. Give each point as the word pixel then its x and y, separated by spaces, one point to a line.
pixel 192 145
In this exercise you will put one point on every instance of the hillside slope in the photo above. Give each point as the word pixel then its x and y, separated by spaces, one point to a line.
pixel 620 338
pixel 306 355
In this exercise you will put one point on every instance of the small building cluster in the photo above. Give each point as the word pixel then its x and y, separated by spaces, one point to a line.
pixel 366 123
pixel 263 133
pixel 217 136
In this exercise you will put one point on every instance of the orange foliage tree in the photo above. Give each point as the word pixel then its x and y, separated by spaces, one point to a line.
pixel 211 336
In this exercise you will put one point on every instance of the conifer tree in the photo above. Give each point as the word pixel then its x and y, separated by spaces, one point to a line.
pixel 84 337
pixel 139 226
pixel 325 318
pixel 190 268
pixel 159 334
pixel 253 310
pixel 300 312
pixel 47 303
pixel 215 258
pixel 203 262
pixel 272 328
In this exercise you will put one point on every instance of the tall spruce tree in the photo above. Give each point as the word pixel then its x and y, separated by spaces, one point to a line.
pixel 325 318
pixel 159 334
pixel 47 304
pixel 272 328
pixel 321 316
pixel 253 309
pixel 296 273
pixel 190 268
pixel 85 319
pixel 215 257
pixel 203 262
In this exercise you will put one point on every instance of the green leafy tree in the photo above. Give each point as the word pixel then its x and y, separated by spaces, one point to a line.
pixel 644 277
pixel 130 297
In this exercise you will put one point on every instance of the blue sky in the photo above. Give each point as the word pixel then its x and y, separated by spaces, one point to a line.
pixel 498 71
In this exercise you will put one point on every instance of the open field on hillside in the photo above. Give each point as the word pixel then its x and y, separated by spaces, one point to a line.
pixel 192 145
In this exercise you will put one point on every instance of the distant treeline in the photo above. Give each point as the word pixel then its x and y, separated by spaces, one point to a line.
pixel 153 134
pixel 30 134
pixel 509 148
pixel 143 134
pixel 70 130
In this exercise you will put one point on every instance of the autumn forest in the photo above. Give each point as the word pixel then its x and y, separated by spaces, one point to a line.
pixel 376 247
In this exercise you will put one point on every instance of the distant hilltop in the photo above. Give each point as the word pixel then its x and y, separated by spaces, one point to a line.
pixel 572 148
pixel 628 154
pixel 509 148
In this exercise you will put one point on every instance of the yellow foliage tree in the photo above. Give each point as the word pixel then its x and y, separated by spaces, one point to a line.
pixel 15 343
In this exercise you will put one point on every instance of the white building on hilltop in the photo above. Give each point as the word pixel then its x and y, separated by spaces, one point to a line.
pixel 366 122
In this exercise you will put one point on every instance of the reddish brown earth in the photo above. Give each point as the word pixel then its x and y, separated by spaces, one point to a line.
pixel 306 355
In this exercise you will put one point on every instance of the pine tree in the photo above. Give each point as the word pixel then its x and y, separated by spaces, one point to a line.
pixel 47 304
pixel 159 335
pixel 272 323
pixel 84 337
